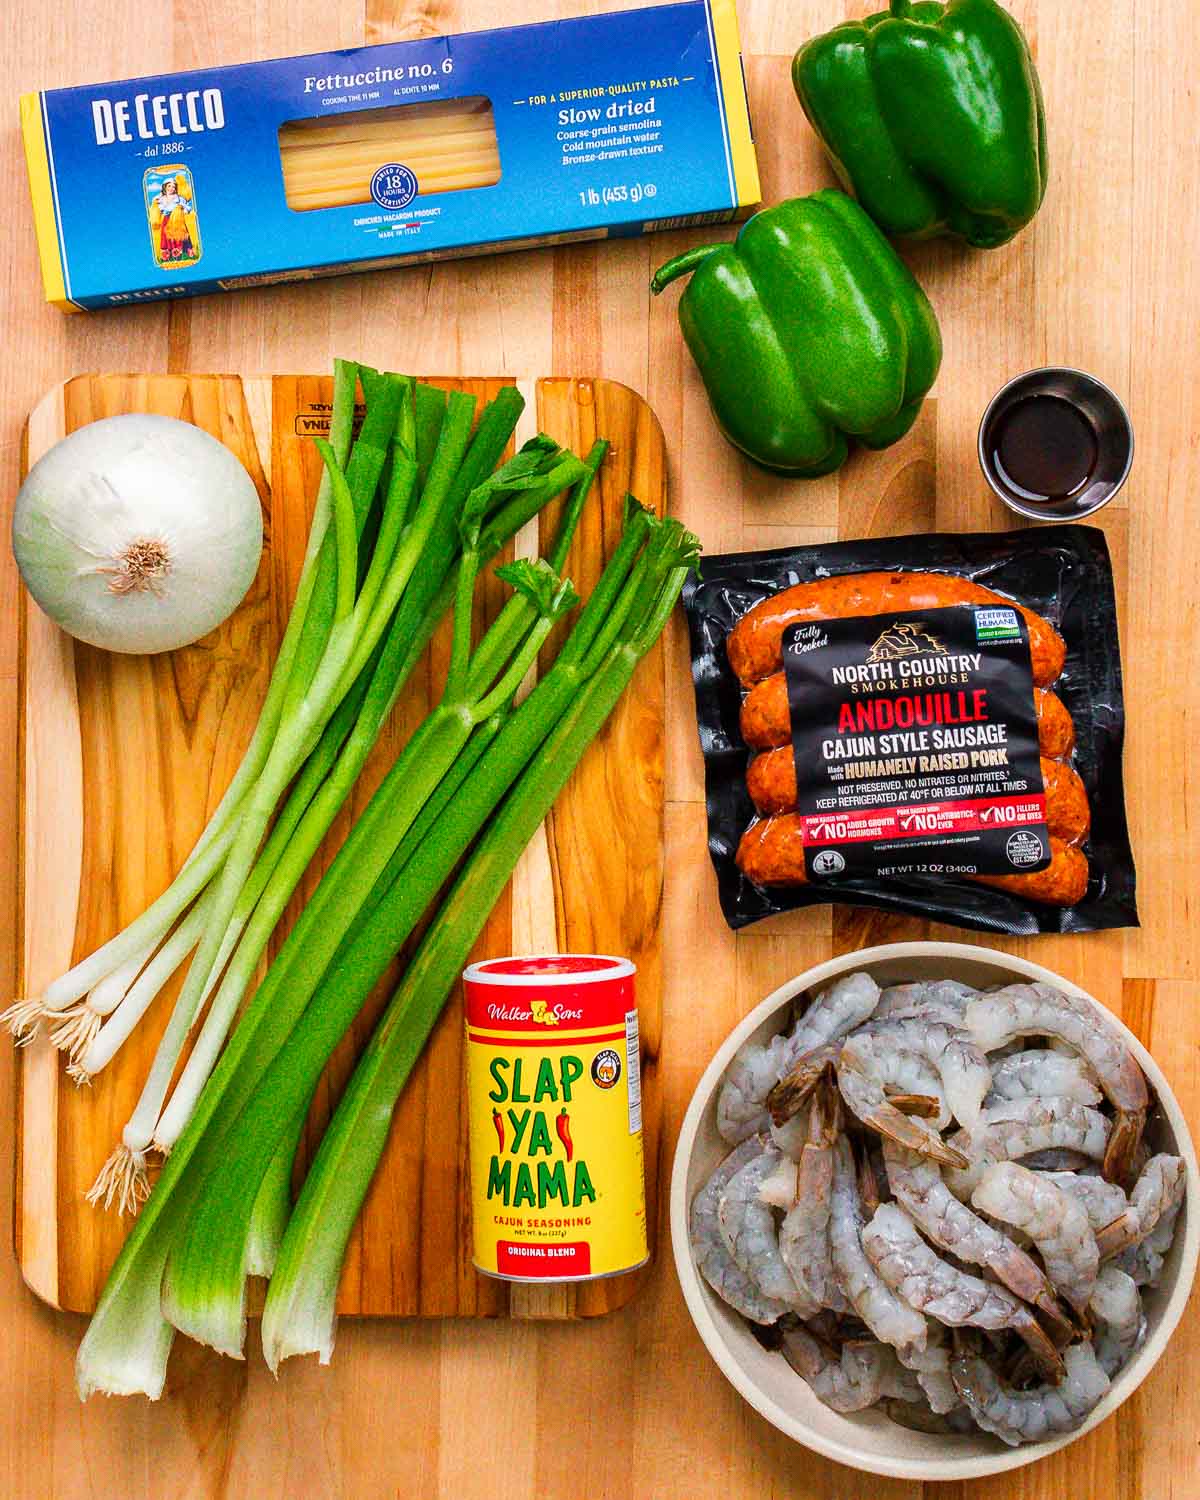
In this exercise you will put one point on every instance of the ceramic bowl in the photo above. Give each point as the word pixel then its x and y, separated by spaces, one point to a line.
pixel 869 1440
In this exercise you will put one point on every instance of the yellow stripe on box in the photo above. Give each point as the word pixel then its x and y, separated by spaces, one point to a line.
pixel 45 220
pixel 737 106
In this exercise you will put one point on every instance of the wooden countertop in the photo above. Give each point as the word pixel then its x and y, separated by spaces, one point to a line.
pixel 1109 280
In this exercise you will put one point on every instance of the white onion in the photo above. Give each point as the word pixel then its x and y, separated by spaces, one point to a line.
pixel 138 533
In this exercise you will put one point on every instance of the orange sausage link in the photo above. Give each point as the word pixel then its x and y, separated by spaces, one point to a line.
pixel 755 644
pixel 1068 813
pixel 1062 883
pixel 766 721
pixel 771 782
pixel 772 853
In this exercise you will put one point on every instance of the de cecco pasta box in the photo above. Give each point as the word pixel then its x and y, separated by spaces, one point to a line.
pixel 184 183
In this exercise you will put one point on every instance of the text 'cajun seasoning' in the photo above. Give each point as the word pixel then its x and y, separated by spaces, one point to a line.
pixel 555 1111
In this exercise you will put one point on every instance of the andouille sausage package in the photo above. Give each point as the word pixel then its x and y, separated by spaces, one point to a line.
pixel 926 724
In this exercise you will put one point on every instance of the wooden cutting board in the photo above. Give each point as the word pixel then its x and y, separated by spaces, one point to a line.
pixel 122 760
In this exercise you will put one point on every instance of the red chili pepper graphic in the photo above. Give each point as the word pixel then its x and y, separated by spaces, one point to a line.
pixel 499 1124
pixel 563 1126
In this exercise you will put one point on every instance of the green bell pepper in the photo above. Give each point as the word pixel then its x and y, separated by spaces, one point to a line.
pixel 933 117
pixel 807 329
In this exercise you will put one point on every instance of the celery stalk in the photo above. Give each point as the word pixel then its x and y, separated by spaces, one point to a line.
pixel 299 1316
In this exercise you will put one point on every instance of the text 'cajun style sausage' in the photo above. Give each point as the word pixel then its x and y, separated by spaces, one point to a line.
pixel 755 644
pixel 771 782
pixel 766 722
pixel 772 853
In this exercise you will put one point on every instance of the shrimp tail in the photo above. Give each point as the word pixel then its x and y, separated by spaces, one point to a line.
pixel 1061 1328
pixel 795 1088
pixel 919 1106
pixel 1041 1347
pixel 1121 1153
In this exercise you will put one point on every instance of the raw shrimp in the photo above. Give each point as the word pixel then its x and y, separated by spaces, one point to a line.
pixel 713 1260
pixel 1028 1416
pixel 1141 1264
pixel 1018 1127
pixel 995 1018
pixel 1101 1201
pixel 741 1107
pixel 779 1189
pixel 889 1318
pixel 1116 1308
pixel 862 1374
pixel 952 1226
pixel 804 1239
pixel 931 1366
pixel 748 1228
pixel 1157 1192
pixel 940 1290
pixel 1042 1070
pixel 1055 1222
pixel 943 1000
pixel 962 1067
pixel 860 1079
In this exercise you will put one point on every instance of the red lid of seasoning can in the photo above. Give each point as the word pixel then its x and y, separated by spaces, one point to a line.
pixel 555 1117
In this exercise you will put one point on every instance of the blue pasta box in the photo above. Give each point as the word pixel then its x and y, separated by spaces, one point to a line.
pixel 207 181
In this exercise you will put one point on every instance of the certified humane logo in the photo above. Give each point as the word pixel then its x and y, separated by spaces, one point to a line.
pixel 828 862
pixel 606 1068
pixel 394 186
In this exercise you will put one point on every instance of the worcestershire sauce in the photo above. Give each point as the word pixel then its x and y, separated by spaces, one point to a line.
pixel 1045 448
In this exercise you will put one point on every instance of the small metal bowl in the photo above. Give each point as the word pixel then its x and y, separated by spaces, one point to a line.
pixel 1111 428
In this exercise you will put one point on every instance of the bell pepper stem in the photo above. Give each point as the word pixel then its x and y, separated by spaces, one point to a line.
pixel 899 7
pixel 680 265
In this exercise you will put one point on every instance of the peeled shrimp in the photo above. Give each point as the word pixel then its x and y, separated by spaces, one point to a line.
pixel 1116 1308
pixel 1018 1127
pixel 1042 1070
pixel 942 999
pixel 858 1376
pixel 933 1286
pixel 931 1366
pixel 1055 1222
pixel 1158 1191
pixel 779 1189
pixel 962 1067
pixel 889 1318
pixel 996 1018
pixel 804 1241
pixel 741 1106
pixel 713 1259
pixel 860 1078
pixel 1141 1264
pixel 1101 1201
pixel 1028 1416
pixel 747 1226
pixel 952 1226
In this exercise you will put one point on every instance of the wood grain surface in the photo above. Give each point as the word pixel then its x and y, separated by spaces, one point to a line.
pixel 1107 279
pixel 124 758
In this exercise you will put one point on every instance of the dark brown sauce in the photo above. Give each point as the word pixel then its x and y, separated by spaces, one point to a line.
pixel 1044 448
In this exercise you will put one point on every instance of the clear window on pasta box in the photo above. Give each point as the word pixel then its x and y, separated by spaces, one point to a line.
pixel 390 155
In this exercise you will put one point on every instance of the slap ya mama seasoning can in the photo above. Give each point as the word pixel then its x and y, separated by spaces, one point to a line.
pixel 555 1107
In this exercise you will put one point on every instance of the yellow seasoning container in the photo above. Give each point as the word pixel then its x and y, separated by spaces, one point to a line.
pixel 554 1097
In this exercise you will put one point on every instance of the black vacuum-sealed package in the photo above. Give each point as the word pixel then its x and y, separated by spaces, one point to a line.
pixel 926 724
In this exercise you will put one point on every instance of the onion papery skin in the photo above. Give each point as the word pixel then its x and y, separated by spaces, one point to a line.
pixel 138 533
